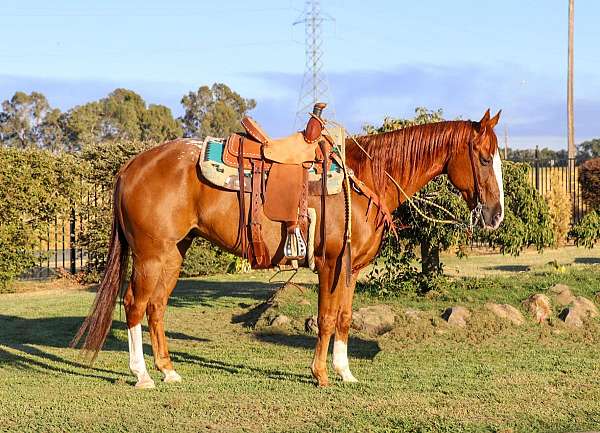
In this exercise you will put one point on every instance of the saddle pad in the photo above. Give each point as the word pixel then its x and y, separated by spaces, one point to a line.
pixel 216 172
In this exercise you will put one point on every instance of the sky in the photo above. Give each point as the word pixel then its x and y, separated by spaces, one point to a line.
pixel 381 58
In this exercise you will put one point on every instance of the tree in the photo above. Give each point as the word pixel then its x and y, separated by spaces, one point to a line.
pixel 30 121
pixel 589 149
pixel 122 115
pixel 527 222
pixel 214 111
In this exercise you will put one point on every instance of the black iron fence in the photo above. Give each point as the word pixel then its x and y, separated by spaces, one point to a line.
pixel 548 173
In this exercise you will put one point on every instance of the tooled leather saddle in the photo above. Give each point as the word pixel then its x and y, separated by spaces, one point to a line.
pixel 283 195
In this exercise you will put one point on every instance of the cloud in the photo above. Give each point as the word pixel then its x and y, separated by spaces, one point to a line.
pixel 533 106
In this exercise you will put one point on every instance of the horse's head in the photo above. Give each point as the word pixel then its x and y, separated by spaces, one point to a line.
pixel 477 173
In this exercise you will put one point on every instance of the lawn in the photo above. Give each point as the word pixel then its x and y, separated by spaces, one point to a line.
pixel 421 377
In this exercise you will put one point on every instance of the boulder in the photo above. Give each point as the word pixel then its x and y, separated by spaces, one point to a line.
pixel 311 325
pixel 375 320
pixel 561 294
pixel 571 317
pixel 506 311
pixel 456 316
pixel 585 306
pixel 539 307
pixel 280 320
pixel 581 308
pixel 412 314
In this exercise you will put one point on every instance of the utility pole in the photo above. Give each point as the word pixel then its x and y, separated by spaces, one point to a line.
pixel 570 114
pixel 505 142
pixel 314 83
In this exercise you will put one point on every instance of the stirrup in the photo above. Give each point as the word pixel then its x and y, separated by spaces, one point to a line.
pixel 295 246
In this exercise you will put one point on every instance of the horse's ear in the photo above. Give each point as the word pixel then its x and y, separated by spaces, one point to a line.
pixel 494 120
pixel 485 118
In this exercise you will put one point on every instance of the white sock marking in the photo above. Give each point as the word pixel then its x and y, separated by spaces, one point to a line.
pixel 137 365
pixel 497 166
pixel 340 361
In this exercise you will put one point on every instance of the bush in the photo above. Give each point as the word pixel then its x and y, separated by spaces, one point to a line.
pixel 559 206
pixel 202 258
pixel 589 178
pixel 587 231
pixel 36 186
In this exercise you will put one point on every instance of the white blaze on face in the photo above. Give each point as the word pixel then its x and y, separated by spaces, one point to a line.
pixel 497 166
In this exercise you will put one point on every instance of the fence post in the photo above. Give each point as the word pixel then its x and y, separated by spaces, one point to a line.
pixel 72 256
pixel 537 168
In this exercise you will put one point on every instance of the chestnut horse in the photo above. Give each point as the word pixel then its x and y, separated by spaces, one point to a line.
pixel 161 202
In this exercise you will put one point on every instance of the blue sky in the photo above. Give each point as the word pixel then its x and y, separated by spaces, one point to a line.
pixel 381 57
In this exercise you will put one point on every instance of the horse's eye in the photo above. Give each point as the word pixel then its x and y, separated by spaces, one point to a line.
pixel 484 161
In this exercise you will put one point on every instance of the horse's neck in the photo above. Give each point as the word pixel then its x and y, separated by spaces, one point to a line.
pixel 410 183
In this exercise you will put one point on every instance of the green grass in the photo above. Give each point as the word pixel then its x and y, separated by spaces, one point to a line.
pixel 421 377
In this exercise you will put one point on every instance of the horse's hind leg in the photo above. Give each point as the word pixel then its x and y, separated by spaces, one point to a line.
pixel 156 311
pixel 342 328
pixel 152 281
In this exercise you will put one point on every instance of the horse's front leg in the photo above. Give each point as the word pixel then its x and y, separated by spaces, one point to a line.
pixel 342 329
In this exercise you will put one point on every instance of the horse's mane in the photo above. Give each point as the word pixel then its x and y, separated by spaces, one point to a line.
pixel 403 151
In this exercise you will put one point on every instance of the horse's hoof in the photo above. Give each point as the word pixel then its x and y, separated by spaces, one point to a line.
pixel 322 383
pixel 145 382
pixel 171 376
pixel 346 375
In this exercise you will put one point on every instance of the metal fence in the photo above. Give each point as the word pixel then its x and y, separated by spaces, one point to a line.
pixel 60 250
pixel 547 174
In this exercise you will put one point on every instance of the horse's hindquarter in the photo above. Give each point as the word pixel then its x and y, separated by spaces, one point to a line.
pixel 157 192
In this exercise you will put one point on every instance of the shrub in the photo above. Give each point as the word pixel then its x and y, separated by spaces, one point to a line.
pixel 35 187
pixel 587 231
pixel 202 258
pixel 559 206
pixel 589 178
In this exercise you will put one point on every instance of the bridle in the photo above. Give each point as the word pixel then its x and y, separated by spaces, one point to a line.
pixel 477 212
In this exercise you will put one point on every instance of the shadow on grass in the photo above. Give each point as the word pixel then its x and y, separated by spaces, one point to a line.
pixel 508 268
pixel 183 357
pixel 587 260
pixel 357 347
pixel 191 293
pixel 24 336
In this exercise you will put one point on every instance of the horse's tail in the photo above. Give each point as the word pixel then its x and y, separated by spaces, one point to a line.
pixel 97 324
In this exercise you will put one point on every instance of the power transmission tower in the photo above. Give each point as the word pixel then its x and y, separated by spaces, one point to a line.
pixel 315 87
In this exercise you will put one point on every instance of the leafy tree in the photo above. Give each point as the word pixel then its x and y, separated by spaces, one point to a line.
pixel 589 149
pixel 122 115
pixel 214 111
pixel 527 222
pixel 29 121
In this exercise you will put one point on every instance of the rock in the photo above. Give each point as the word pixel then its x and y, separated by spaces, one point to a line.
pixel 412 314
pixel 581 308
pixel 562 294
pixel 505 311
pixel 375 320
pixel 539 307
pixel 456 316
pixel 311 325
pixel 586 308
pixel 304 302
pixel 280 320
pixel 571 317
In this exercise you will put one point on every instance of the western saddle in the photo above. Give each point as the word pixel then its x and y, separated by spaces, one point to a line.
pixel 282 195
